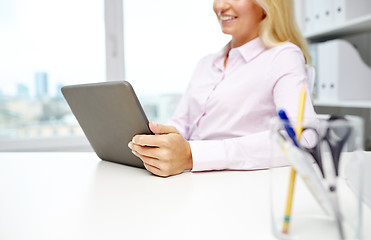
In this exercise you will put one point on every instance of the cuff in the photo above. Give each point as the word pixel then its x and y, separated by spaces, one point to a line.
pixel 208 155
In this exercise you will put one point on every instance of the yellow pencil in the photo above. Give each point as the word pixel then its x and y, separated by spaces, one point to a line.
pixel 290 193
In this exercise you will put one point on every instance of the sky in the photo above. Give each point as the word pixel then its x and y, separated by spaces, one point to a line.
pixel 164 40
pixel 63 38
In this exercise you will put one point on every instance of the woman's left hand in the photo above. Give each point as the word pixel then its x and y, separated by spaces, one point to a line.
pixel 164 154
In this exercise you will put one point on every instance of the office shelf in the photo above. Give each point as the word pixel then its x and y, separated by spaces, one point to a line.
pixel 348 30
pixel 342 103
pixel 358 25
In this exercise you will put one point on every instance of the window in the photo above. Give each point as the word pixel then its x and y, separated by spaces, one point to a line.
pixel 164 40
pixel 46 44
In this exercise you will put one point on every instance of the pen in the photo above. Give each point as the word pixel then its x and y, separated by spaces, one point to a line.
pixel 286 123
pixel 290 131
pixel 304 167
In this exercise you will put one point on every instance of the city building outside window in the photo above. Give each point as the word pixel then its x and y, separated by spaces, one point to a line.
pixel 46 44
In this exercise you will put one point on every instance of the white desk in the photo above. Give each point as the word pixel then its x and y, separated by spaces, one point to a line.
pixel 77 196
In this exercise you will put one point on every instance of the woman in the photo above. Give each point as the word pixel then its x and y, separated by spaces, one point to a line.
pixel 222 121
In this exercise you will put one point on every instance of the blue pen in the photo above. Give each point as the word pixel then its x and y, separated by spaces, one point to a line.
pixel 286 123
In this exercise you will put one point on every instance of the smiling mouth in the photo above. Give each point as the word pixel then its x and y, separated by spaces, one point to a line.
pixel 227 18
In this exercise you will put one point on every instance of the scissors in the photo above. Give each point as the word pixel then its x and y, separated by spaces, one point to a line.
pixel 336 135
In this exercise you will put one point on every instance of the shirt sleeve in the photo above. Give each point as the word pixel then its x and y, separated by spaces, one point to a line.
pixel 287 74
pixel 248 152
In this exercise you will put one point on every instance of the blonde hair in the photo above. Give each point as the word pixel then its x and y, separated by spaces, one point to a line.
pixel 279 25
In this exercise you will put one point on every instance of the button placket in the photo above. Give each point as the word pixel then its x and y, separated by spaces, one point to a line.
pixel 194 127
pixel 209 96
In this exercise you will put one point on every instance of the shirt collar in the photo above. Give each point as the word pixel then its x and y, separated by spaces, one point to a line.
pixel 248 51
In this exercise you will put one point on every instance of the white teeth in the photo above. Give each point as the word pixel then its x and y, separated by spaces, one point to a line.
pixel 226 18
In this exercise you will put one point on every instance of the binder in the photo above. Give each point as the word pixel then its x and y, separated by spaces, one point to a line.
pixel 339 11
pixel 346 10
pixel 342 75
pixel 308 16
pixel 320 15
pixel 317 14
pixel 314 53
pixel 326 60
pixel 327 13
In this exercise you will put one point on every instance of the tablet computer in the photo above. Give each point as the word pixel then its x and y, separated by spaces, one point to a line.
pixel 110 115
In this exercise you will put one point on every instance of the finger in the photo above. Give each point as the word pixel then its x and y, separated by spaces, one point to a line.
pixel 145 160
pixel 154 170
pixel 148 160
pixel 148 140
pixel 153 152
pixel 152 165
pixel 157 128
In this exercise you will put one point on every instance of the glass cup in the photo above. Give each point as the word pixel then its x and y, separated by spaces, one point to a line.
pixel 326 196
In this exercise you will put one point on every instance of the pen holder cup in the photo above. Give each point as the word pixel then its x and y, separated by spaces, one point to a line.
pixel 324 205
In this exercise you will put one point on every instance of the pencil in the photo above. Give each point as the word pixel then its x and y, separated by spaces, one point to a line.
pixel 290 193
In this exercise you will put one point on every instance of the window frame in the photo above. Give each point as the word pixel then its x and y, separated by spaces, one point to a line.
pixel 115 70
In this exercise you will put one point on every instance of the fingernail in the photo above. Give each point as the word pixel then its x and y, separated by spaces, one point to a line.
pixel 133 140
pixel 134 153
pixel 130 145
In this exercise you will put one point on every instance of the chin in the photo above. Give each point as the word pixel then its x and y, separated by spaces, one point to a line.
pixel 225 31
